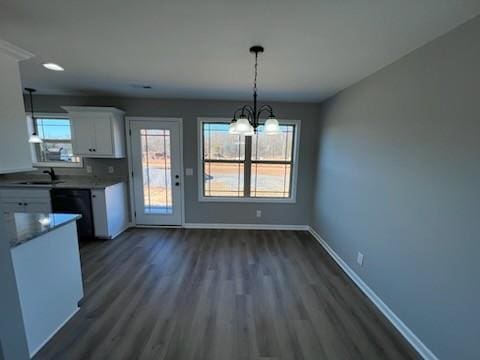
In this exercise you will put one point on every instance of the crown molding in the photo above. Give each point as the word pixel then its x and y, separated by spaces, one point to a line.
pixel 14 51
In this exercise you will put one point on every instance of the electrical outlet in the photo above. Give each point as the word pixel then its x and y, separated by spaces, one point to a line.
pixel 360 259
pixel 111 169
pixel 89 169
pixel 259 213
pixel 189 172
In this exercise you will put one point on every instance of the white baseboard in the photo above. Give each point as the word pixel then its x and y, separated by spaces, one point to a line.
pixel 408 334
pixel 246 226
pixel 33 353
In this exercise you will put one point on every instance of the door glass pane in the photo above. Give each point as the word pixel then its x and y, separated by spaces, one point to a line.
pixel 156 169
pixel 270 180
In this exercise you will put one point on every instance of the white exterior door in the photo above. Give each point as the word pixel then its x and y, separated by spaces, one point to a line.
pixel 156 165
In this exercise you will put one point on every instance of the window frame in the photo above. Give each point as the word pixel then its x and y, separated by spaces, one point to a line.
pixel 33 151
pixel 294 170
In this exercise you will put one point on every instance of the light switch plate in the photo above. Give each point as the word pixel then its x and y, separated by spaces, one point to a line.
pixel 89 169
pixel 259 213
pixel 111 169
pixel 189 172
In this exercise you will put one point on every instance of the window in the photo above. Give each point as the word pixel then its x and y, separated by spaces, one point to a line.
pixel 56 148
pixel 257 168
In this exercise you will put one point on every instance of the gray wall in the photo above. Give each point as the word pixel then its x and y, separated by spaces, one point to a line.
pixel 208 212
pixel 398 178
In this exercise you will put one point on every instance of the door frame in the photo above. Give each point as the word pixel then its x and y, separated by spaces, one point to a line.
pixel 128 132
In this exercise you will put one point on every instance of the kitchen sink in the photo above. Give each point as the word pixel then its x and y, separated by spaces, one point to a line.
pixel 40 182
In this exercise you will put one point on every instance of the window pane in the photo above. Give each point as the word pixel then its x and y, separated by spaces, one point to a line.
pixel 156 167
pixel 273 147
pixel 218 144
pixel 56 145
pixel 56 151
pixel 54 129
pixel 223 179
pixel 270 180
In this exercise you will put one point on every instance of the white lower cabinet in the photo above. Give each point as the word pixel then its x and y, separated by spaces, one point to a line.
pixel 109 206
pixel 110 210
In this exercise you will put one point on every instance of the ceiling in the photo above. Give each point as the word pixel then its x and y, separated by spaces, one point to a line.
pixel 199 49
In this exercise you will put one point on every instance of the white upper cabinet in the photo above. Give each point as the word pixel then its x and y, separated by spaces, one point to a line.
pixel 15 152
pixel 97 132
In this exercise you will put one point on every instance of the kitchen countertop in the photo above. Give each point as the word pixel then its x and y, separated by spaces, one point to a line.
pixel 22 227
pixel 64 183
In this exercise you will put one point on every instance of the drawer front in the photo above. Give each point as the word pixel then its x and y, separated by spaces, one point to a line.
pixel 22 195
pixel 38 207
pixel 12 207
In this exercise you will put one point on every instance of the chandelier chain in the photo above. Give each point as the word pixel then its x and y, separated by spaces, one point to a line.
pixel 256 73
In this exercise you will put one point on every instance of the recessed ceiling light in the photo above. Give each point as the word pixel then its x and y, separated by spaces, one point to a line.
pixel 54 67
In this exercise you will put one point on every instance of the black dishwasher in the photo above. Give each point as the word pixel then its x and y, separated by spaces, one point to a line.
pixel 75 201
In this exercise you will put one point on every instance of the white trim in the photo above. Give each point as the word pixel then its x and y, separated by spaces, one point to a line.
pixel 128 120
pixel 32 354
pixel 296 146
pixel 111 237
pixel 139 226
pixel 408 334
pixel 58 164
pixel 247 226
pixel 97 109
pixel 14 51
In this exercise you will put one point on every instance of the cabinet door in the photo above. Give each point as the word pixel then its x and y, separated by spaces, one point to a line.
pixel 103 135
pixel 37 207
pixel 15 153
pixel 83 135
pixel 99 209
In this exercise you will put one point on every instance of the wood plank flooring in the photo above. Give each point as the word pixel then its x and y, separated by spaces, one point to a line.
pixel 220 294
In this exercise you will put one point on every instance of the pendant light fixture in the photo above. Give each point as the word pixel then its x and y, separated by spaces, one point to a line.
pixel 34 138
pixel 249 116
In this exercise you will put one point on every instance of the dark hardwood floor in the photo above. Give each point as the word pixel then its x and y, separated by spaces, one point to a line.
pixel 220 294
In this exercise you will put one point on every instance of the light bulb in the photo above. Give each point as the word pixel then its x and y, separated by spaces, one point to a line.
pixel 243 125
pixel 232 129
pixel 35 139
pixel 271 126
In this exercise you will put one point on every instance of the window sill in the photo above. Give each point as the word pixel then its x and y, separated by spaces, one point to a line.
pixel 57 164
pixel 248 200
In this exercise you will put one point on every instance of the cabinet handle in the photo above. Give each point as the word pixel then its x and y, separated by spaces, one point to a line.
pixel 20 204
pixel 177 184
pixel 90 150
pixel 94 196
pixel 25 204
pixel 94 149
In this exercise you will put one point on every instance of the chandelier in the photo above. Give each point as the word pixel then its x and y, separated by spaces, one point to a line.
pixel 249 116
